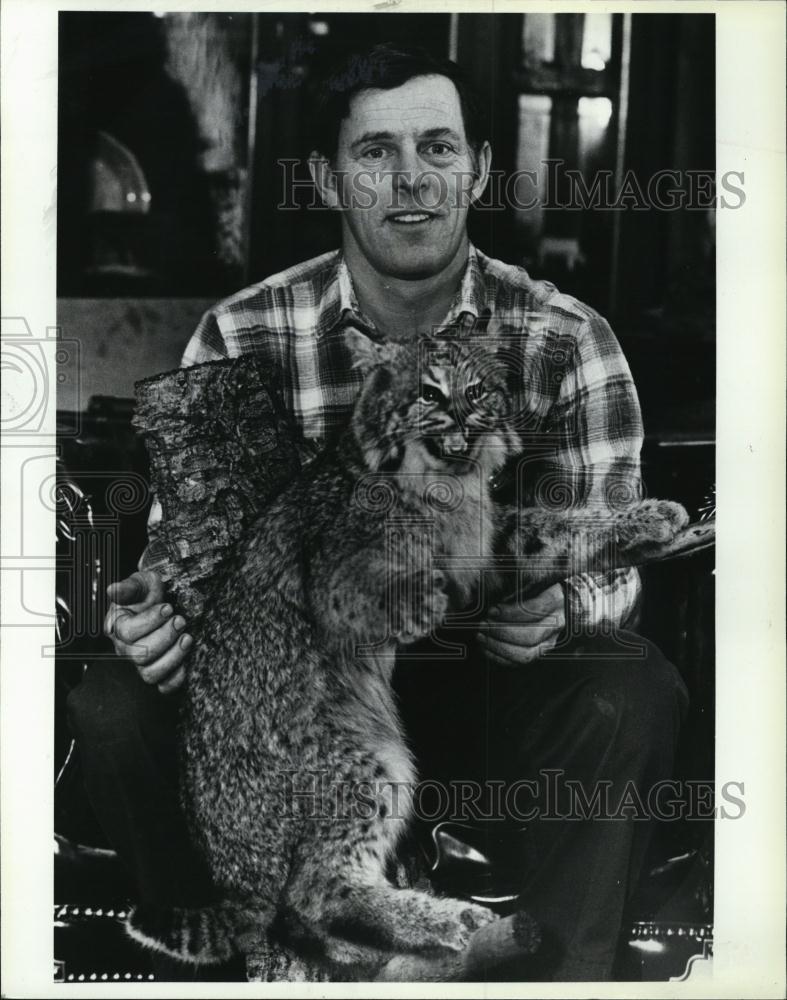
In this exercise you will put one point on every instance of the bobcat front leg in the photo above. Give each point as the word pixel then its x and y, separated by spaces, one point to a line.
pixel 382 597
pixel 549 546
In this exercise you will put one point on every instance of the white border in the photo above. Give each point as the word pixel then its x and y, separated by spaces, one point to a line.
pixel 750 918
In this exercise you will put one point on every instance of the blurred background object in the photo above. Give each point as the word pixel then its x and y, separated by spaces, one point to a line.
pixel 165 98
pixel 118 204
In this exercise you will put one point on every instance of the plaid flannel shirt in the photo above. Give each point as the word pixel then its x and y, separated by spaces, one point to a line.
pixel 578 412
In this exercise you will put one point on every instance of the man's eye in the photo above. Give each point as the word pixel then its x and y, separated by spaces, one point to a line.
pixel 430 394
pixel 374 153
pixel 440 149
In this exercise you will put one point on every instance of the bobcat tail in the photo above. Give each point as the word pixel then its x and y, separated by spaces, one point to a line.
pixel 201 936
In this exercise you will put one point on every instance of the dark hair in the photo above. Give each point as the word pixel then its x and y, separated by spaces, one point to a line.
pixel 384 67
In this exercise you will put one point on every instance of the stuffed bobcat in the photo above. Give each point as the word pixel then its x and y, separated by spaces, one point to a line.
pixel 288 709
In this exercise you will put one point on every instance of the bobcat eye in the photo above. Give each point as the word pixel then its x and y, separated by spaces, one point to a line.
pixel 431 394
pixel 474 392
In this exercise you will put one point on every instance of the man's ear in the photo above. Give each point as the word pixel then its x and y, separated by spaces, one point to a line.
pixel 324 178
pixel 483 161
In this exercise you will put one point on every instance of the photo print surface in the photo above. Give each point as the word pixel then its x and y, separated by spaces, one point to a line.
pixel 393 434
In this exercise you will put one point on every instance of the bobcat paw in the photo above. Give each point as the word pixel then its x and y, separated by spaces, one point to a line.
pixel 476 917
pixel 652 522
pixel 423 608
pixel 455 932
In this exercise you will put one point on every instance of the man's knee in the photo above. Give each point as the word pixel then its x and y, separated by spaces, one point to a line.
pixel 629 681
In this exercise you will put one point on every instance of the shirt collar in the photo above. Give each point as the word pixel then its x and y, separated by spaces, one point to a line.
pixel 340 303
pixel 348 301
pixel 470 300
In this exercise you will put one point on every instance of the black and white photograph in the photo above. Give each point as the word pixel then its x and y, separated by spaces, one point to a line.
pixel 363 461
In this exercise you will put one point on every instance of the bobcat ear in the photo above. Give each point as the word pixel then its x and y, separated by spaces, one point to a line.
pixel 367 353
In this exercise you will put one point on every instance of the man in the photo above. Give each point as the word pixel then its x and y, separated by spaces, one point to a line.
pixel 400 154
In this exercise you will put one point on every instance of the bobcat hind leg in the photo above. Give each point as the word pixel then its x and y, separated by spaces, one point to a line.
pixel 555 544
pixel 388 920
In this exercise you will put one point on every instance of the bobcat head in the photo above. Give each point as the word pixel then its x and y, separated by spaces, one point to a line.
pixel 432 406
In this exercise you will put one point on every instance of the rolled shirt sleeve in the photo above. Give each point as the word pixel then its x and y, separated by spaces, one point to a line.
pixel 598 427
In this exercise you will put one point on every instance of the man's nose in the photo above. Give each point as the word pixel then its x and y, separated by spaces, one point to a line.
pixel 410 173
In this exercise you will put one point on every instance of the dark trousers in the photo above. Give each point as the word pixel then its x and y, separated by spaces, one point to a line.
pixel 591 726
pixel 603 713
pixel 126 734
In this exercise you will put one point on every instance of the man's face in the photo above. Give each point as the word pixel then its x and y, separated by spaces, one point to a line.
pixel 404 177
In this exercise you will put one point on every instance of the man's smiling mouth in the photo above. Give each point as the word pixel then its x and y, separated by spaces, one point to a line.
pixel 411 218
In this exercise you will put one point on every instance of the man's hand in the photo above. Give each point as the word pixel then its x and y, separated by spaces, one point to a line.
pixel 145 629
pixel 518 632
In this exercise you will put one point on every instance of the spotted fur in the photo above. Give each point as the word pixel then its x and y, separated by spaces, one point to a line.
pixel 288 696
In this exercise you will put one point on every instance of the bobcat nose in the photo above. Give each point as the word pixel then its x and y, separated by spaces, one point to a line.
pixel 455 444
